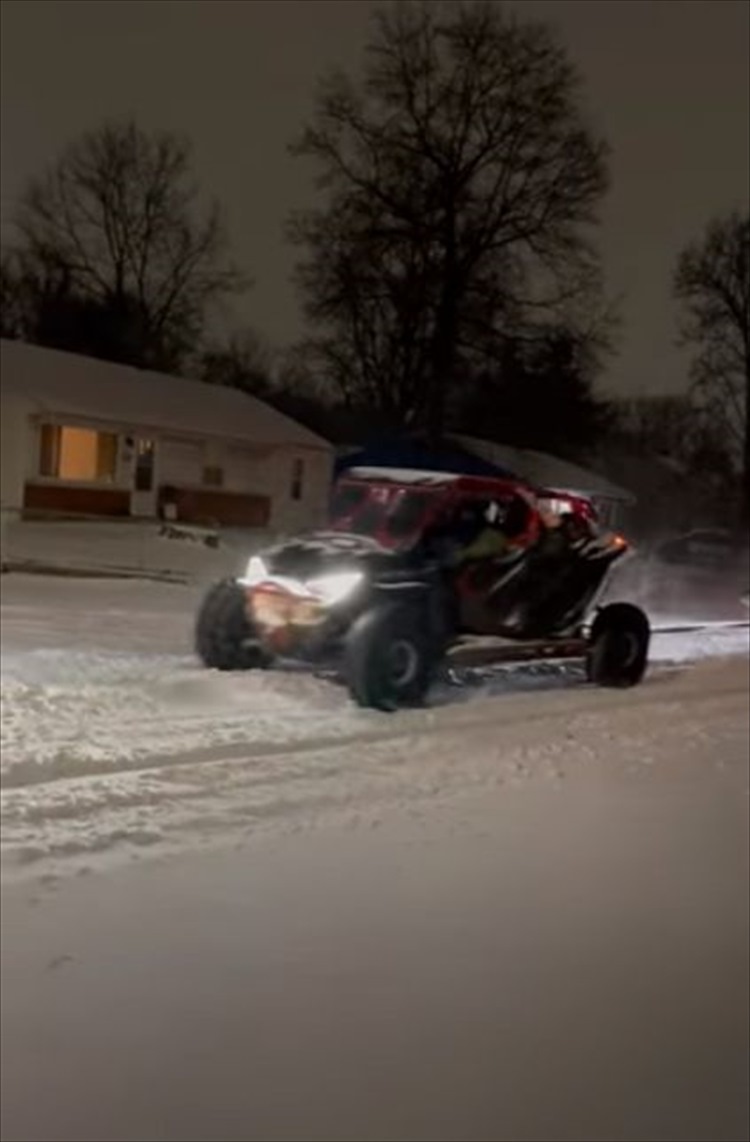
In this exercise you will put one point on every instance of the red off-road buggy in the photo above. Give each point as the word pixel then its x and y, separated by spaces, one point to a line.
pixel 390 590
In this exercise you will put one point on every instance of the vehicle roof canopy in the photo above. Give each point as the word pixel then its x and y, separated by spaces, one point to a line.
pixel 418 478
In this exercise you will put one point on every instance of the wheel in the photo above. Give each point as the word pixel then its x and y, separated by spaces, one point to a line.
pixel 618 646
pixel 389 659
pixel 224 638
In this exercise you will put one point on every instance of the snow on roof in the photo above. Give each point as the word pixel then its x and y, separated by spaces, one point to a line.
pixel 65 384
pixel 545 471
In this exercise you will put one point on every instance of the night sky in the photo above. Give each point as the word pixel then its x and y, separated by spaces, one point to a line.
pixel 668 83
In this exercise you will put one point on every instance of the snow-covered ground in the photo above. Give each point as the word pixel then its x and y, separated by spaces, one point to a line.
pixel 113 736
pixel 526 921
pixel 521 913
pixel 128 547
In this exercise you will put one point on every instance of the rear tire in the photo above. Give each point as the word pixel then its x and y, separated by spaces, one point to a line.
pixel 389 659
pixel 618 650
pixel 224 637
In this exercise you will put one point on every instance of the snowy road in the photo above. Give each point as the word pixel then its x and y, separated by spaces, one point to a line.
pixel 114 741
pixel 519 914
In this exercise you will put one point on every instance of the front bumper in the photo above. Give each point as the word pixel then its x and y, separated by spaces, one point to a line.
pixel 290 625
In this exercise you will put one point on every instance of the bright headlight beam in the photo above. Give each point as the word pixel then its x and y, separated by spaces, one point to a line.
pixel 255 572
pixel 333 588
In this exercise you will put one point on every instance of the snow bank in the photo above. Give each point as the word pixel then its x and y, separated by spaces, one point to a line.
pixel 127 547
pixel 713 640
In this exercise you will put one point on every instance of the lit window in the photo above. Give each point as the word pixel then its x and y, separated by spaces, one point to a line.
pixel 77 454
pixel 298 474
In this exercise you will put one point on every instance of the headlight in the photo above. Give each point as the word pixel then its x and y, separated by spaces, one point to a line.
pixel 255 572
pixel 333 588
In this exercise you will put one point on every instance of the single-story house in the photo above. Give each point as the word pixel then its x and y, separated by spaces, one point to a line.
pixel 86 437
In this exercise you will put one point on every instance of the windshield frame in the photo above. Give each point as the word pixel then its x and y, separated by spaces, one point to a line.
pixel 378 505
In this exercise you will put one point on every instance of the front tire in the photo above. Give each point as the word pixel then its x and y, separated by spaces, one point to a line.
pixel 618 650
pixel 224 636
pixel 390 659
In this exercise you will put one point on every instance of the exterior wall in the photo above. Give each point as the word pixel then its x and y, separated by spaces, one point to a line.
pixel 290 515
pixel 246 467
pixel 269 473
pixel 181 461
pixel 208 506
pixel 50 498
pixel 15 439
pixel 256 489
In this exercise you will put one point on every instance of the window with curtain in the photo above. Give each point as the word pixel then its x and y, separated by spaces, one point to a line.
pixel 77 454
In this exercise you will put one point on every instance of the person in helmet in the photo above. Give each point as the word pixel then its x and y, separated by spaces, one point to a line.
pixel 502 532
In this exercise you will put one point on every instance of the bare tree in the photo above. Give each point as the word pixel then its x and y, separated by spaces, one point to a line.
pixel 712 285
pixel 460 186
pixel 537 395
pixel 119 218
pixel 680 429
pixel 243 361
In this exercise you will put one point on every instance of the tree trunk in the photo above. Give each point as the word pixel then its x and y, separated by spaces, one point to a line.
pixel 444 345
pixel 441 377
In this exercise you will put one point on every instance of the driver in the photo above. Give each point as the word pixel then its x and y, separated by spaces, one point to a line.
pixel 480 530
pixel 457 536
pixel 501 531
pixel 491 540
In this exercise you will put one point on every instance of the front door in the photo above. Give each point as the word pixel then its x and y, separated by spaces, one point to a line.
pixel 143 493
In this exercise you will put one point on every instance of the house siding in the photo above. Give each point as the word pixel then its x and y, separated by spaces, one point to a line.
pixel 254 477
pixel 181 461
pixel 61 499
pixel 14 448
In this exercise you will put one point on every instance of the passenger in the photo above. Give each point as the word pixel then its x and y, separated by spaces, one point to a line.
pixel 546 560
pixel 551 542
pixel 502 534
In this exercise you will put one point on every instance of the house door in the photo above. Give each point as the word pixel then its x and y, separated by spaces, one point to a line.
pixel 144 489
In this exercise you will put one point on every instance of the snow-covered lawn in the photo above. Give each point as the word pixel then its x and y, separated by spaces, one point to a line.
pixel 128 547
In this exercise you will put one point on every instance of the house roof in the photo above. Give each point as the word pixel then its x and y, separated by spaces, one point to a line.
pixel 65 384
pixel 408 454
pixel 546 471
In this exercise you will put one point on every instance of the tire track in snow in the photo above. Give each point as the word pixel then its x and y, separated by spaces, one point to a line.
pixel 425 757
